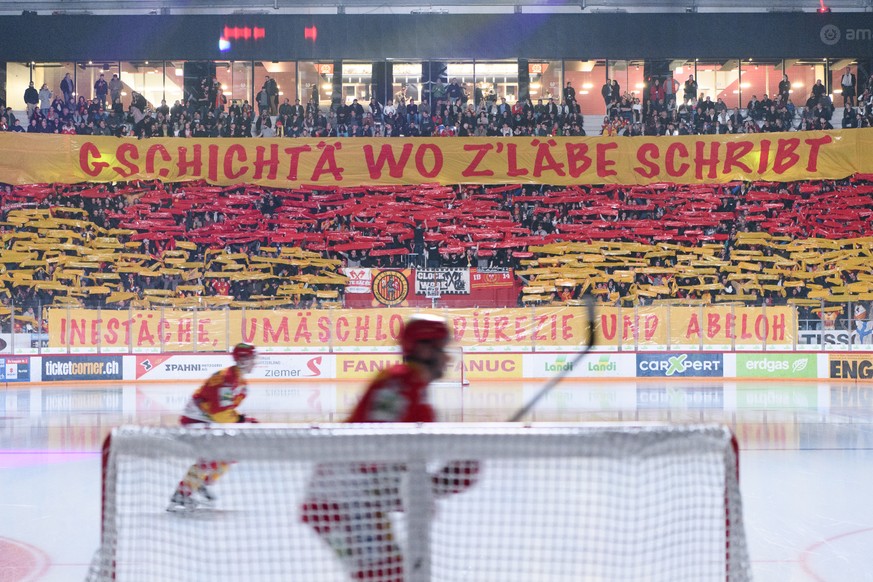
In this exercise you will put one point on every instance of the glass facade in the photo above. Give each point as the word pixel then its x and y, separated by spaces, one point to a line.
pixel 759 80
pixel 235 78
pixel 144 77
pixel 803 77
pixel 587 79
pixel 718 80
pixel 406 81
pixel 843 71
pixel 174 82
pixel 735 81
pixel 315 82
pixel 284 73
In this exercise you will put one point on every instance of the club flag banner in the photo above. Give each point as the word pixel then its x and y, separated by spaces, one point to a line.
pixel 490 278
pixel 404 288
pixel 350 162
pixel 438 282
pixel 360 280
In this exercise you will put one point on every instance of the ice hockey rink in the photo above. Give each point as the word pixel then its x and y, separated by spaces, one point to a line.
pixel 805 467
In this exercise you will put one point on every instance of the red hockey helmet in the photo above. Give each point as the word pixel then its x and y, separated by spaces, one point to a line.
pixel 243 351
pixel 423 328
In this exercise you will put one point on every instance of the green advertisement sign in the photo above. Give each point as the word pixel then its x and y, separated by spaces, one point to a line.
pixel 777 365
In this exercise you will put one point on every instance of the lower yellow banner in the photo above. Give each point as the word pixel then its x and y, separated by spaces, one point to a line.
pixel 509 329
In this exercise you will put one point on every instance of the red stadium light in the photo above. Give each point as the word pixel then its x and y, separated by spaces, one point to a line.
pixel 822 9
pixel 243 33
pixel 310 33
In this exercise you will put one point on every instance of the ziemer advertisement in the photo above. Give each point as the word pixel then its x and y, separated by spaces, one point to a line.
pixel 680 365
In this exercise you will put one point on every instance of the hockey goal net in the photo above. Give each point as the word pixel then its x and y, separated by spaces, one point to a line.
pixel 439 502
pixel 455 374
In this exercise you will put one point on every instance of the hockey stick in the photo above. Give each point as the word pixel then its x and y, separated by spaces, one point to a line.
pixel 588 301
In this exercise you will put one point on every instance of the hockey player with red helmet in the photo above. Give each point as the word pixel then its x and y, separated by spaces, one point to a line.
pixel 348 505
pixel 216 400
pixel 399 393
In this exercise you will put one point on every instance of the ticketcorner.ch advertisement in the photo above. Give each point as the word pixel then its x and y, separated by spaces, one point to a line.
pixel 80 368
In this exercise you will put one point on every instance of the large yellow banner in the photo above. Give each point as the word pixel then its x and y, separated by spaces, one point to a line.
pixel 510 329
pixel 281 162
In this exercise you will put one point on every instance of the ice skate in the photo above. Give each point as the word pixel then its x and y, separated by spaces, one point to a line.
pixel 180 502
pixel 208 497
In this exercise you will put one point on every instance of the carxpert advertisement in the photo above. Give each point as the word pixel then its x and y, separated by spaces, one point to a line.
pixel 684 365
pixel 77 368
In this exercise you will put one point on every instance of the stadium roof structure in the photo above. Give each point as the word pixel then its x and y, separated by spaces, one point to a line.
pixel 165 7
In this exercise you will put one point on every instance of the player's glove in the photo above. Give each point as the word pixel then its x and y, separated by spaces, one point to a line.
pixel 455 477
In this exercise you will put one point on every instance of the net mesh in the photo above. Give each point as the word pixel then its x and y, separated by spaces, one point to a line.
pixel 437 502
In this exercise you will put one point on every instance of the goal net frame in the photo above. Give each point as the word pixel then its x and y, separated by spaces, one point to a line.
pixel 456 368
pixel 418 447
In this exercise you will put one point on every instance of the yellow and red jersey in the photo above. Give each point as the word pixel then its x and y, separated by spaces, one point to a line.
pixel 218 398
pixel 398 394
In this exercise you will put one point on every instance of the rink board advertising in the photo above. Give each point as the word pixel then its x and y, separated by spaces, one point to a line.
pixel 776 365
pixel 680 365
pixel 269 366
pixel 851 366
pixel 15 369
pixel 55 368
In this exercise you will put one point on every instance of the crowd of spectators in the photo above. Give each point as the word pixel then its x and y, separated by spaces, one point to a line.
pixel 449 111
pixel 664 107
pixel 187 244
pixel 669 108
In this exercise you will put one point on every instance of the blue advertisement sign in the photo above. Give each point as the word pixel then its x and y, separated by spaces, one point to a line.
pixel 15 369
pixel 81 368
pixel 684 365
